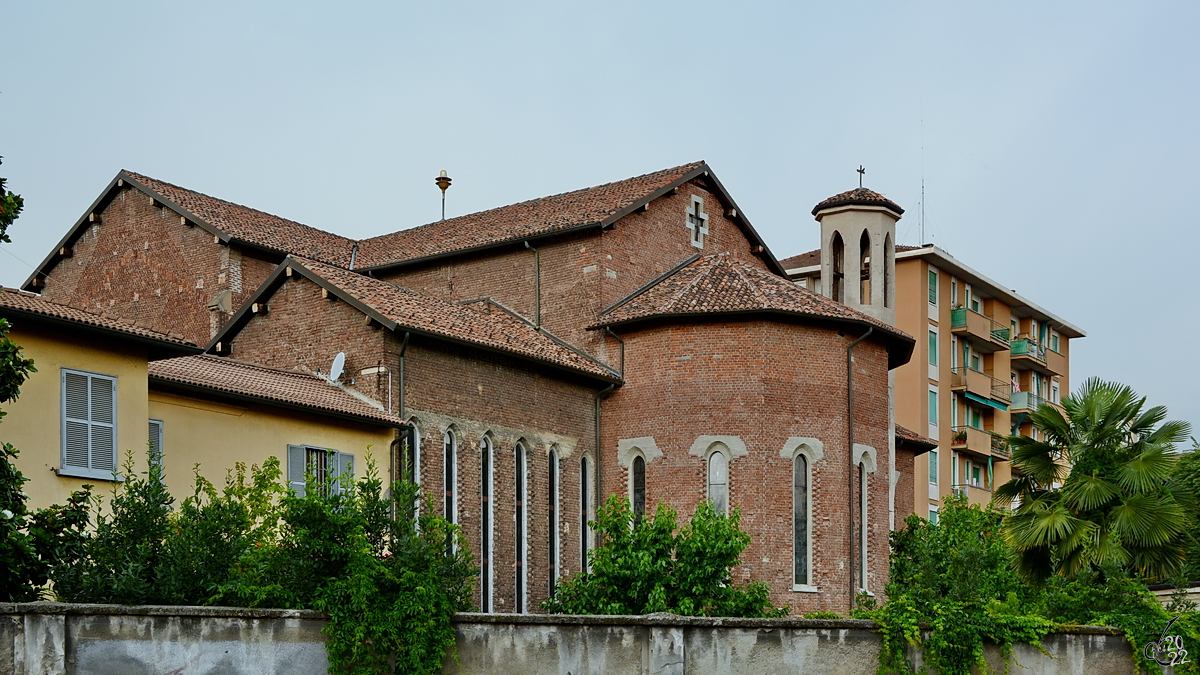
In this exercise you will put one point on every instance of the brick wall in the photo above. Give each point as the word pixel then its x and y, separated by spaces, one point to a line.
pixel 764 382
pixel 141 263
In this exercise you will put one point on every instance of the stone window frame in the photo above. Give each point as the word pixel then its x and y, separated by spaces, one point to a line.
pixel 587 497
pixel 813 450
pixel 700 229
pixel 554 517
pixel 628 450
pixel 450 495
pixel 415 424
pixel 865 464
pixel 730 446
pixel 521 522
pixel 487 529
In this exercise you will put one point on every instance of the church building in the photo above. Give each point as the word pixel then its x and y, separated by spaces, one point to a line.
pixel 636 338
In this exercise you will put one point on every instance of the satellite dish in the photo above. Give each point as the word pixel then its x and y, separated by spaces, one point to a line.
pixel 339 363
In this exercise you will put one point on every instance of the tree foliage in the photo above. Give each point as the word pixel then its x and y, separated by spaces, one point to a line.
pixel 645 566
pixel 10 207
pixel 1117 504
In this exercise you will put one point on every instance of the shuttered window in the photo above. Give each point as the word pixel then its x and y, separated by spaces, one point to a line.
pixel 323 463
pixel 89 425
pixel 156 442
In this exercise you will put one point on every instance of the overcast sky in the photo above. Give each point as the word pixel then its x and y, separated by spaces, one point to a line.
pixel 1057 142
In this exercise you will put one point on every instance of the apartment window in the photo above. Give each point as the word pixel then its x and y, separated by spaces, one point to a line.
pixel 450 477
pixel 156 443
pixel 638 478
pixel 953 292
pixel 326 467
pixel 933 407
pixel 522 544
pixel 89 425
pixel 487 522
pixel 552 518
pixel 800 520
pixel 933 515
pixel 1054 341
pixel 933 283
pixel 585 530
pixel 718 481
pixel 1054 392
pixel 974 417
pixel 933 347
pixel 933 466
pixel 697 221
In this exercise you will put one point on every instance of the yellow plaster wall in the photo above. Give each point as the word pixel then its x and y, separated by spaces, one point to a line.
pixel 217 435
pixel 33 423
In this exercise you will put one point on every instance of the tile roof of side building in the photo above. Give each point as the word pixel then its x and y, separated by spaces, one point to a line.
pixel 292 389
pixel 536 217
pixel 717 284
pixel 35 305
pixel 813 258
pixel 496 330
pixel 909 436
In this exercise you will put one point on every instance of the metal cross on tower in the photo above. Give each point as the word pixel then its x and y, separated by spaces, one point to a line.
pixel 861 171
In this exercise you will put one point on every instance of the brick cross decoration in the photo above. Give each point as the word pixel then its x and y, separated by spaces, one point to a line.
pixel 697 223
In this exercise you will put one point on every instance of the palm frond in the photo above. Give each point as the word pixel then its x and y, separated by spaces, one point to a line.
pixel 1148 471
pixel 1089 492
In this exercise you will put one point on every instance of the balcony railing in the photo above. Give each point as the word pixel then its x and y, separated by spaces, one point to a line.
pixel 1030 348
pixel 980 383
pixel 979 441
pixel 988 335
pixel 1029 354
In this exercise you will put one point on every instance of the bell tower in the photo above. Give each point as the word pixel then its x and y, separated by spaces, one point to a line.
pixel 858 251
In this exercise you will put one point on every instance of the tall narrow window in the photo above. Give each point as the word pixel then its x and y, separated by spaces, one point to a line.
pixel 864 268
pixel 639 488
pixel 800 520
pixel 933 281
pixel 552 525
pixel 156 443
pixel 89 425
pixel 519 499
pixel 933 407
pixel 451 479
pixel 410 454
pixel 837 284
pixel 862 526
pixel 486 519
pixel 585 484
pixel 933 347
pixel 933 466
pixel 718 481
pixel 889 264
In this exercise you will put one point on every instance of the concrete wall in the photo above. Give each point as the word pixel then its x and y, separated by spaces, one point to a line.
pixel 45 638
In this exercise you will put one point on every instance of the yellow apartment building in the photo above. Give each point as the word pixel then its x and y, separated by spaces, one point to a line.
pixel 985 358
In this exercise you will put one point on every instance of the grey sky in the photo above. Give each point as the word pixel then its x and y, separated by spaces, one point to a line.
pixel 1057 141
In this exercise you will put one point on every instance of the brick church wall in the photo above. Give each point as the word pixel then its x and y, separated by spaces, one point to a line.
pixel 764 382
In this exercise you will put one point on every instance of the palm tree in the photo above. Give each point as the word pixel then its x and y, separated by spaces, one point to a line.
pixel 1096 489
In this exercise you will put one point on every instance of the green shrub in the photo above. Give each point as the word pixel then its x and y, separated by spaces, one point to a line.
pixel 644 567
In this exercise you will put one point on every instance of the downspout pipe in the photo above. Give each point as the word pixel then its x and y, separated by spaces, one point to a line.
pixel 598 490
pixel 850 450
pixel 537 286
pixel 616 337
pixel 400 359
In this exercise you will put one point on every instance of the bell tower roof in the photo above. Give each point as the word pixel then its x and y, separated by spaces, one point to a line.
pixel 856 196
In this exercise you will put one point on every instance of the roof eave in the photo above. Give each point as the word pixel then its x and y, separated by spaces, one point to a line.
pixel 216 392
pixel 159 348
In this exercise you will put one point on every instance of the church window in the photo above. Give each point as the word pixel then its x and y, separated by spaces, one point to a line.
pixel 800 520
pixel 585 530
pixel 487 527
pixel 838 251
pixel 450 446
pixel 638 477
pixel 521 540
pixel 552 524
pixel 718 481
pixel 697 221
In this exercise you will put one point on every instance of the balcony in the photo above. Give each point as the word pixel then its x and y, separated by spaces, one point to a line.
pixel 980 442
pixel 974 495
pixel 1027 401
pixel 1028 354
pixel 980 384
pixel 986 335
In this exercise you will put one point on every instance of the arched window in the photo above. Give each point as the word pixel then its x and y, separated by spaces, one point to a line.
pixel 837 283
pixel 487 520
pixel 862 526
pixel 585 494
pixel 718 481
pixel 410 454
pixel 864 268
pixel 889 264
pixel 639 488
pixel 552 524
pixel 450 445
pixel 800 520
pixel 521 543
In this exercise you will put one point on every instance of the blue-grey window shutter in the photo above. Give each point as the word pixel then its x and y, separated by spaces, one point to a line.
pixel 295 468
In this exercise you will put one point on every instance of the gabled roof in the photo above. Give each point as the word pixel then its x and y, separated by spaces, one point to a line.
pixel 225 220
pixel 249 381
pixel 720 285
pixel 919 443
pixel 19 303
pixel 593 207
pixel 401 309
pixel 858 196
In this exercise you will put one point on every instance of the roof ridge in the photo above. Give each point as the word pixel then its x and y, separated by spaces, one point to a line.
pixel 675 296
pixel 250 364
pixel 652 283
pixel 742 271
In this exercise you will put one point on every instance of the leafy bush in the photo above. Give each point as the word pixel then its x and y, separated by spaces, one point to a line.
pixel 645 567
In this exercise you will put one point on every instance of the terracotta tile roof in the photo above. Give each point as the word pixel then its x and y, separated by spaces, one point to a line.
pixel 518 221
pixel 717 284
pixel 858 196
pixel 253 226
pixel 910 436
pixel 13 299
pixel 268 384
pixel 813 258
pixel 481 324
